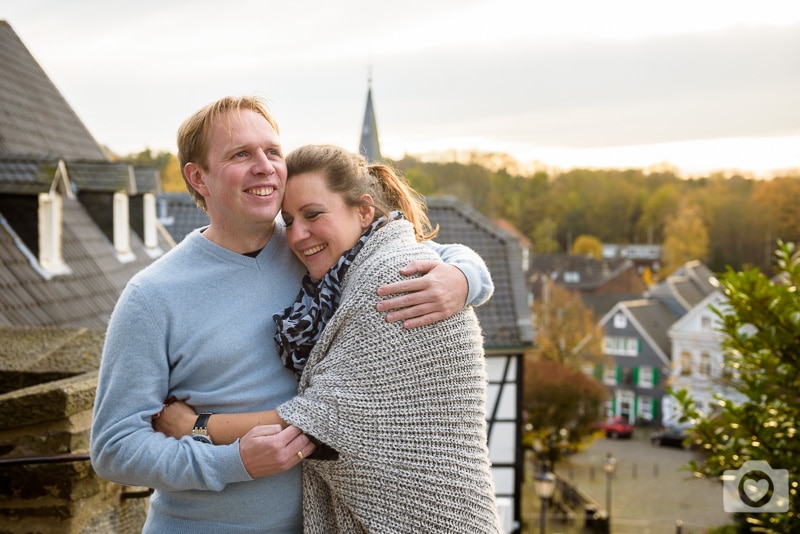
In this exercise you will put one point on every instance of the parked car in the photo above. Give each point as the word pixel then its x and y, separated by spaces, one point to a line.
pixel 673 436
pixel 615 427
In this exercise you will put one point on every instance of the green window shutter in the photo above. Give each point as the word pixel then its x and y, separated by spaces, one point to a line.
pixel 655 377
pixel 635 376
pixel 619 374
pixel 598 372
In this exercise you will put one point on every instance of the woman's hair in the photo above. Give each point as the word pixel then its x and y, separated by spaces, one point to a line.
pixel 349 174
pixel 194 132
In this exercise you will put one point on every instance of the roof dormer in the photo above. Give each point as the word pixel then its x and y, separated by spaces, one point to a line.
pixel 103 190
pixel 31 209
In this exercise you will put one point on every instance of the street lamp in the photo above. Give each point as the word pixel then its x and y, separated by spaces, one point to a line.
pixel 545 484
pixel 609 467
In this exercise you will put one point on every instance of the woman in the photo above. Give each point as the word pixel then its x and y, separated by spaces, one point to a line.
pixel 403 409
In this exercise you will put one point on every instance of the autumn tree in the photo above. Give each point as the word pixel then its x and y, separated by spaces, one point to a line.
pixel 587 245
pixel 686 238
pixel 167 165
pixel 562 321
pixel 561 404
pixel 761 324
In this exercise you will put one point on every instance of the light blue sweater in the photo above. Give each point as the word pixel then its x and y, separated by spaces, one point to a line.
pixel 197 324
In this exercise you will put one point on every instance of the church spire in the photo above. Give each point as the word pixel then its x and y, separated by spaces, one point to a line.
pixel 369 146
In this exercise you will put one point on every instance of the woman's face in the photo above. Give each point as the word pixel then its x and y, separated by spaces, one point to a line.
pixel 320 227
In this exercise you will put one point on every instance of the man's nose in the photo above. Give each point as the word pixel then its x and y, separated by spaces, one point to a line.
pixel 263 165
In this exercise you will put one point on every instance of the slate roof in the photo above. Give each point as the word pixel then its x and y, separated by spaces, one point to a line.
pixel 83 298
pixel 35 119
pixel 26 175
pixel 506 318
pixel 653 319
pixel 685 287
pixel 592 273
pixel 180 215
pixel 100 176
pixel 45 147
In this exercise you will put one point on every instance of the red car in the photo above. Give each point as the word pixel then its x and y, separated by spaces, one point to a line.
pixel 615 427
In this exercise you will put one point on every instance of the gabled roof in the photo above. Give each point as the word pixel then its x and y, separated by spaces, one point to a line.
pixel 651 319
pixel 29 175
pixel 685 288
pixel 716 299
pixel 589 273
pixel 101 176
pixel 35 119
pixel 506 318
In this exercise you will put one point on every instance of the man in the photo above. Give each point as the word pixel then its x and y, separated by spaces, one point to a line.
pixel 197 325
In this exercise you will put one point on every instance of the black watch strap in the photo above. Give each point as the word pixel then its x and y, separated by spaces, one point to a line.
pixel 200 430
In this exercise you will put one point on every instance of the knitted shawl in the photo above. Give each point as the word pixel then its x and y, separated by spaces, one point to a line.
pixel 405 409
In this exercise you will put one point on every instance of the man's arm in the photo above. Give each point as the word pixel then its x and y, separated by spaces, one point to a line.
pixel 124 446
pixel 442 291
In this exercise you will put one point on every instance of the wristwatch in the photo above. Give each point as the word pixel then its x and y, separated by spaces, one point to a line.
pixel 200 430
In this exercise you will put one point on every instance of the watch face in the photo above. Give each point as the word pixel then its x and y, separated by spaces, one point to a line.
pixel 200 437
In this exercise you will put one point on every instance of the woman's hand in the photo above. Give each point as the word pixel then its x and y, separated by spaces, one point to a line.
pixel 175 420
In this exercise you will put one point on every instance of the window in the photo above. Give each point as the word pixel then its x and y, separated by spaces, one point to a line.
pixel 686 363
pixel 646 376
pixel 621 346
pixel 705 322
pixel 572 277
pixel 610 375
pixel 645 405
pixel 705 364
pixel 620 321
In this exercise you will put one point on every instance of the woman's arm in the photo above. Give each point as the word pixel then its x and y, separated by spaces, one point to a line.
pixel 177 419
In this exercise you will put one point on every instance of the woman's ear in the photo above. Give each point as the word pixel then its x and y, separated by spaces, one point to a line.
pixel 366 211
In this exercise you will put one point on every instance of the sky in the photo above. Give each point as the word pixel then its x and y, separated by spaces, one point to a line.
pixel 698 85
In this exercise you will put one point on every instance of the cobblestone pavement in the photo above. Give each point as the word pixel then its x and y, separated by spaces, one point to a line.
pixel 651 488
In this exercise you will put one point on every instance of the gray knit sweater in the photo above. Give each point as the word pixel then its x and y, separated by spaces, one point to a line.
pixel 405 409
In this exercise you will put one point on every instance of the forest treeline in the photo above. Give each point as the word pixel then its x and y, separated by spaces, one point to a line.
pixel 722 220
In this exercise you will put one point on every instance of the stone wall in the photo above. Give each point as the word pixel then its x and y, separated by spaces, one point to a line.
pixel 47 484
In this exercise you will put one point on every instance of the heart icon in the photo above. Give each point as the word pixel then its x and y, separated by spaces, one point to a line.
pixel 756 489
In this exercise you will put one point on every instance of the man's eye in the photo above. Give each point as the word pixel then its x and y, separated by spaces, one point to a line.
pixel 240 154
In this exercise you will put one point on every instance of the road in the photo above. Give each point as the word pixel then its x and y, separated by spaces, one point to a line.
pixel 651 488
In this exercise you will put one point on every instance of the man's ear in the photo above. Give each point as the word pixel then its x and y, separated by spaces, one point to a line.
pixel 196 177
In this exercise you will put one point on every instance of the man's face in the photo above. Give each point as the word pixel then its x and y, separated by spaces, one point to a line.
pixel 244 181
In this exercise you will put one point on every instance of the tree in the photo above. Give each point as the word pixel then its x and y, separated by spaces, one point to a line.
pixel 561 404
pixel 562 321
pixel 686 238
pixel 587 245
pixel 761 323
pixel 544 241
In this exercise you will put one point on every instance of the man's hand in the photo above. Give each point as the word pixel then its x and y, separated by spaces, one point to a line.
pixel 437 295
pixel 268 450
